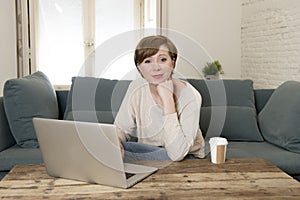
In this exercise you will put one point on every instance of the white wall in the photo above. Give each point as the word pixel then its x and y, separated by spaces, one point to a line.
pixel 216 25
pixel 270 41
pixel 8 62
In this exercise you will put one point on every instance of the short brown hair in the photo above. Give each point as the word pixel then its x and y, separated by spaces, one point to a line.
pixel 150 45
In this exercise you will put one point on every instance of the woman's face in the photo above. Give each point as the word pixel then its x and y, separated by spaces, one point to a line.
pixel 157 68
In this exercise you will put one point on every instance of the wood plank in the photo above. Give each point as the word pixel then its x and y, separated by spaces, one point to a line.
pixel 231 165
pixel 175 193
pixel 189 179
pixel 269 179
pixel 21 172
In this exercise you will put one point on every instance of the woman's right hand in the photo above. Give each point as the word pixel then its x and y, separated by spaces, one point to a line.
pixel 121 137
pixel 122 150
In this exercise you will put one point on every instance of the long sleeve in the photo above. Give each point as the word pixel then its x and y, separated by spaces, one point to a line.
pixel 126 119
pixel 182 128
pixel 179 132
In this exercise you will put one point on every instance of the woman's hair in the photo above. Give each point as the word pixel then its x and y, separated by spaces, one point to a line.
pixel 150 45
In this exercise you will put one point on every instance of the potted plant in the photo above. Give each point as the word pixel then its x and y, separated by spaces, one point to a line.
pixel 212 70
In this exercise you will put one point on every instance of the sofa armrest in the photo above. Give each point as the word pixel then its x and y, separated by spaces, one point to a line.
pixel 6 138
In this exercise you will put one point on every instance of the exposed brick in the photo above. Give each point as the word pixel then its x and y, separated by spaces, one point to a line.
pixel 270 41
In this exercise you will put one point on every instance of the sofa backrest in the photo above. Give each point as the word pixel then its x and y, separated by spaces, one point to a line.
pixel 261 97
pixel 225 103
pixel 6 139
pixel 62 97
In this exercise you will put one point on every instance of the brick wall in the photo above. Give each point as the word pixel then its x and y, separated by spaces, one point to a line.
pixel 270 41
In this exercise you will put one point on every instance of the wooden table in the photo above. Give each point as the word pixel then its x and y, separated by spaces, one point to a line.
pixel 189 179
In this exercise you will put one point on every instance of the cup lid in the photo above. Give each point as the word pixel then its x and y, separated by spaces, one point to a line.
pixel 218 140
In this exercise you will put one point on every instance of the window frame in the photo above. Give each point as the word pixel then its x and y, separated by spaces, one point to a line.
pixel 29 10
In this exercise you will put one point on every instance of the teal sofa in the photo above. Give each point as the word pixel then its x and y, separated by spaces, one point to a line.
pixel 241 103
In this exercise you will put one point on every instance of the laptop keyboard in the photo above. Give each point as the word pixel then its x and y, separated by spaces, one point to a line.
pixel 128 175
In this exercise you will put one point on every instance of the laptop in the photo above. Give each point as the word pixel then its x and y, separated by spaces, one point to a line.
pixel 86 151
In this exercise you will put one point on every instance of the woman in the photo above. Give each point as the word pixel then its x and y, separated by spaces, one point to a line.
pixel 163 112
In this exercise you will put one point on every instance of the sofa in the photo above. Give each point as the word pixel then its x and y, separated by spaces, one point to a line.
pixel 230 108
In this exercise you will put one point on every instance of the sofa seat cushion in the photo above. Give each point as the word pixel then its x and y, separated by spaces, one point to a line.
pixel 228 109
pixel 297 177
pixel 2 174
pixel 283 159
pixel 25 98
pixel 279 119
pixel 17 155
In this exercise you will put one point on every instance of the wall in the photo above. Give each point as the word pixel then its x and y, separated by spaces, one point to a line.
pixel 266 50
pixel 8 64
pixel 270 41
pixel 214 24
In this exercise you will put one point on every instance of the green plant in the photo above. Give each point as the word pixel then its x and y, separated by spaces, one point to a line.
pixel 212 68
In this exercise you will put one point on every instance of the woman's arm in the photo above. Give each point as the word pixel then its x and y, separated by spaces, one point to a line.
pixel 125 119
pixel 181 128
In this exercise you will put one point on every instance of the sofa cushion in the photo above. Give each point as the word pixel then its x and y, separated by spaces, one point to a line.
pixel 6 138
pixel 62 97
pixel 2 174
pixel 285 160
pixel 279 119
pixel 228 109
pixel 25 98
pixel 17 155
pixel 261 98
pixel 95 99
pixel 107 117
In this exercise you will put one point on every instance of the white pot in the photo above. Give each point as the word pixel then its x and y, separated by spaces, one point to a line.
pixel 213 77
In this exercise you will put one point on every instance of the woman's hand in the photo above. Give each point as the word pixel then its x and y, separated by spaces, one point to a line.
pixel 165 89
pixel 166 93
pixel 122 150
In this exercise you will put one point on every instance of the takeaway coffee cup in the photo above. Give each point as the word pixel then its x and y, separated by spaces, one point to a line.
pixel 218 147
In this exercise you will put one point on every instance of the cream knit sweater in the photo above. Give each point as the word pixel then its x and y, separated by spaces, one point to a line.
pixel 178 132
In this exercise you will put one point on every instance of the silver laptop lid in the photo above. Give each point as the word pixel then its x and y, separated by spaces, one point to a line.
pixel 81 150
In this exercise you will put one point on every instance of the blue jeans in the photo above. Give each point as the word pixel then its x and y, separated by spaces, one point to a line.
pixel 137 151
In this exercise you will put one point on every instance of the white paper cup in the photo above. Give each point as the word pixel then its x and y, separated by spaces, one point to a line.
pixel 218 146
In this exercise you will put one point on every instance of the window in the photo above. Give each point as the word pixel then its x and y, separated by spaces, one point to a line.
pixel 60 44
pixel 70 31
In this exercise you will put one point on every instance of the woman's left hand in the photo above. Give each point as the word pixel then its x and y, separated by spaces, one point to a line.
pixel 165 89
pixel 166 93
